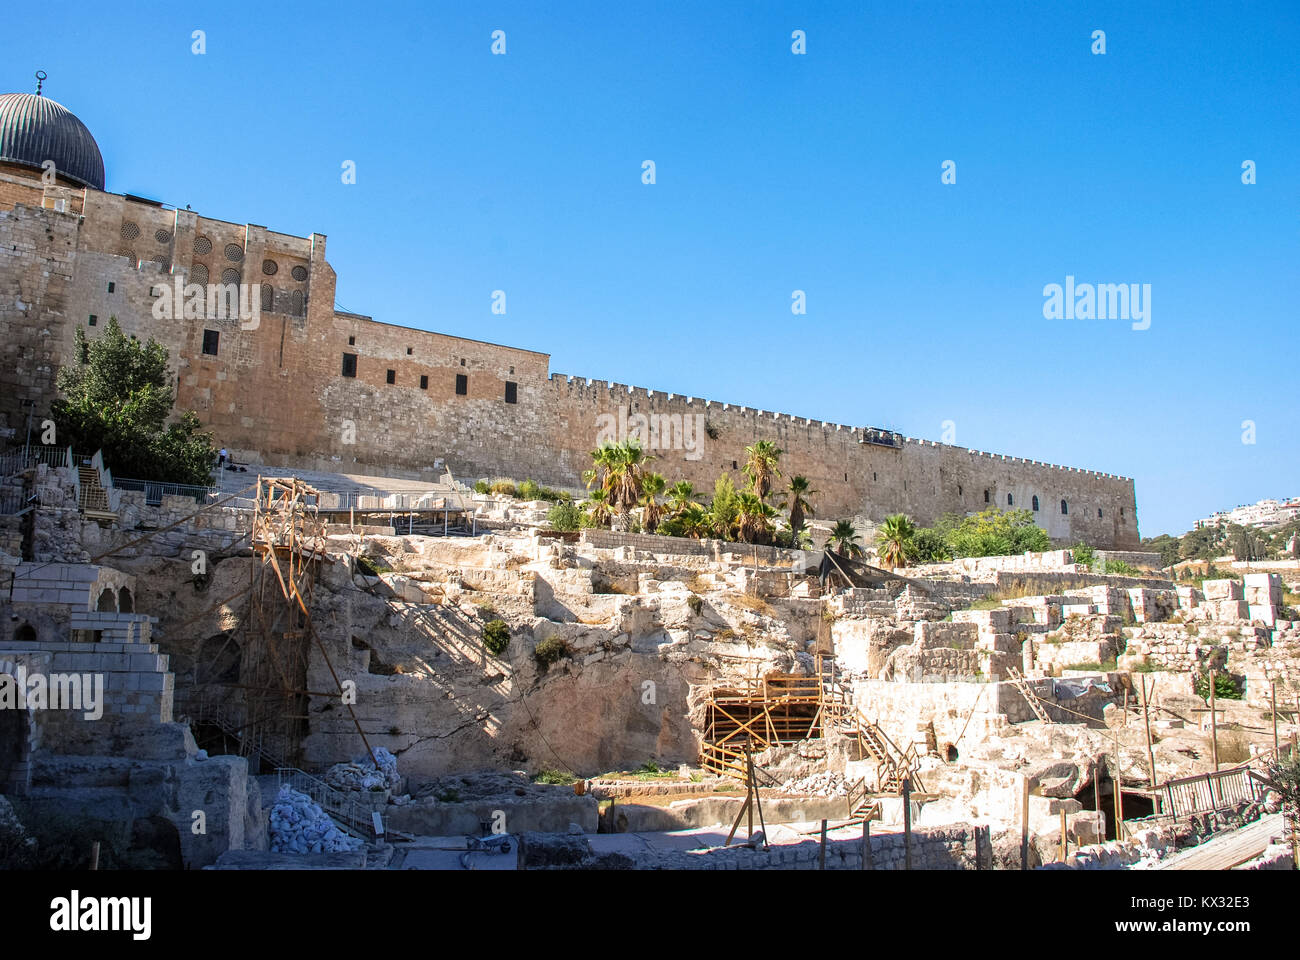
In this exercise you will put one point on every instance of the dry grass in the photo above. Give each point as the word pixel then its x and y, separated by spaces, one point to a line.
pixel 1234 747
pixel 756 604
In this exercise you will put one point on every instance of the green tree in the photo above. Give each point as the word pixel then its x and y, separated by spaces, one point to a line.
pixel 928 546
pixel 564 517
pixel 995 532
pixel 116 398
pixel 597 510
pixel 894 538
pixel 652 485
pixel 797 492
pixel 724 509
pixel 754 521
pixel 680 496
pixel 844 540
pixel 761 466
pixel 1166 546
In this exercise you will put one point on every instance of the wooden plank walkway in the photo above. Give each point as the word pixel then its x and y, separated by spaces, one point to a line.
pixel 1228 850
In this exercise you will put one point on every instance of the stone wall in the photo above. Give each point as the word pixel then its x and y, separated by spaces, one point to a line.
pixel 275 392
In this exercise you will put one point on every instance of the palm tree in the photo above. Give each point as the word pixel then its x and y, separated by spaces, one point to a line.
pixel 598 508
pixel 618 469
pixel 680 496
pixel 797 491
pixel 845 539
pixel 602 464
pixel 760 466
pixel 895 538
pixel 694 521
pixel 755 518
pixel 628 474
pixel 652 484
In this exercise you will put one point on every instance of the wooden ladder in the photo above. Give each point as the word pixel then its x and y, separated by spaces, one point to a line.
pixel 1030 697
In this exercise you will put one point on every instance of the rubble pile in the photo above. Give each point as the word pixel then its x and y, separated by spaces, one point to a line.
pixel 827 784
pixel 363 774
pixel 300 826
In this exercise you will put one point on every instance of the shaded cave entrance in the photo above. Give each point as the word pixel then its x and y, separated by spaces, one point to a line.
pixel 1138 804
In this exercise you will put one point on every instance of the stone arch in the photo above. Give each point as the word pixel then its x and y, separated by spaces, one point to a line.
pixel 25 633
pixel 125 603
pixel 107 602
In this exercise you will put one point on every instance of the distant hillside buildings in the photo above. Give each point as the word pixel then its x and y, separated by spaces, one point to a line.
pixel 1265 513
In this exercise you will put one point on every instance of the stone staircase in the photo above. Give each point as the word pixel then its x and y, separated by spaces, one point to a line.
pixel 94 498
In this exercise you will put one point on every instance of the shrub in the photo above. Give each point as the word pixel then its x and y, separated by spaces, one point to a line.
pixel 496 636
pixel 695 603
pixel 555 777
pixel 1083 553
pixel 1225 687
pixel 564 517
pixel 372 568
pixel 503 488
pixel 529 490
pixel 1120 568
pixel 481 486
pixel 549 650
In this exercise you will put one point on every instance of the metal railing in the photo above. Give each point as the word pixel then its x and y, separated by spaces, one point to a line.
pixel 351 816
pixel 1207 792
pixel 154 491
pixel 21 458
pixel 12 501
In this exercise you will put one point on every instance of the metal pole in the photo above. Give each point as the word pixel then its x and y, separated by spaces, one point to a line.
pixel 907 823
pixel 1024 823
pixel 1214 724
pixel 866 843
pixel 821 857
pixel 1146 717
pixel 1274 704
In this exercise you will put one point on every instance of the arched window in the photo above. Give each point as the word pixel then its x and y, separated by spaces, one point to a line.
pixel 1065 508
pixel 1010 502
pixel 1099 513
pixel 25 634
pixel 268 298
pixel 1035 503
pixel 986 496
pixel 124 602
pixel 107 601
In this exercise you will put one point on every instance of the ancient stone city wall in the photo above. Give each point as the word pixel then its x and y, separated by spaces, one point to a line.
pixel 275 391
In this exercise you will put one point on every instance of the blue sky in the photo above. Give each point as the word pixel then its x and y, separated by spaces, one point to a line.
pixel 775 172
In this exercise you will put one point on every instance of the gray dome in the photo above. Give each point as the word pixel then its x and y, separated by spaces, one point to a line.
pixel 34 129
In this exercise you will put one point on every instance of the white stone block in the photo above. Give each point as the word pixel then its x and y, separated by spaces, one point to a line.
pixel 1223 589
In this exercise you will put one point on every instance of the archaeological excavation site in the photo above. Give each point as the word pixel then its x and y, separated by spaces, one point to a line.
pixel 296 599
pixel 435 678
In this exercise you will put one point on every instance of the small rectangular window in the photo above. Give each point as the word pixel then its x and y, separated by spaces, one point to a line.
pixel 392 376
pixel 512 392
pixel 424 382
pixel 462 385
pixel 210 340
pixel 352 341
pixel 112 287
pixel 409 351
pixel 349 364
pixel 93 320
